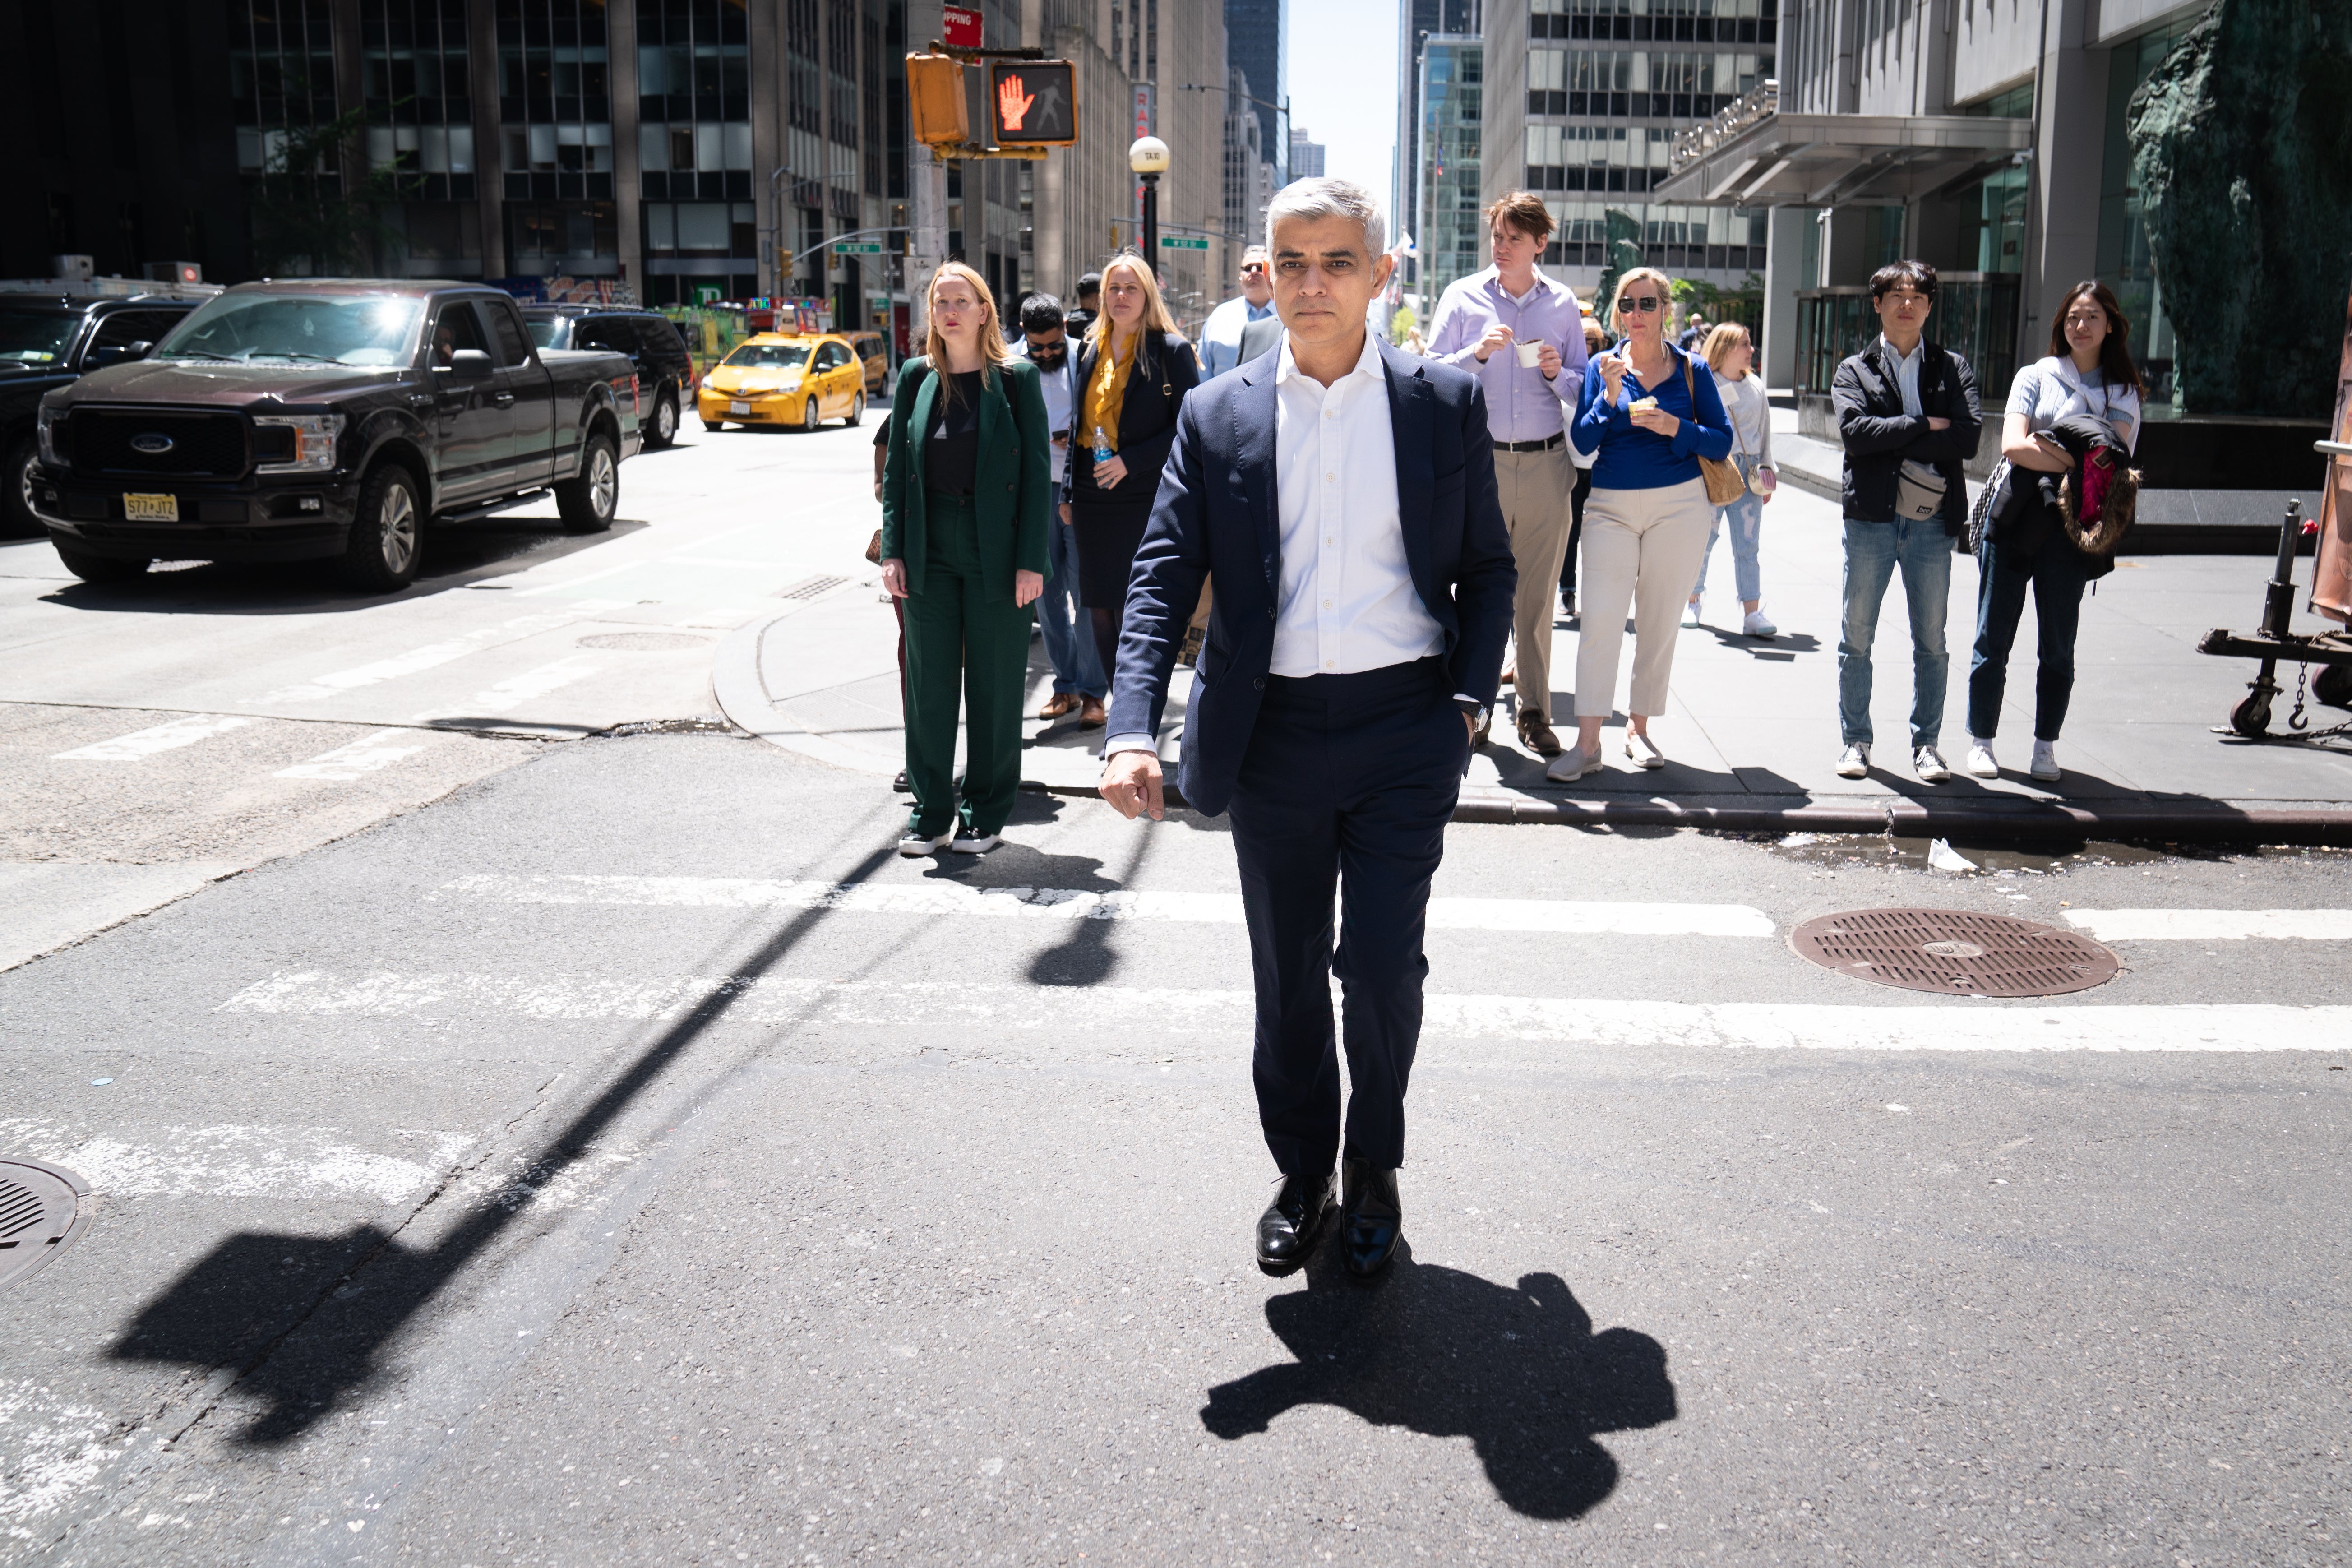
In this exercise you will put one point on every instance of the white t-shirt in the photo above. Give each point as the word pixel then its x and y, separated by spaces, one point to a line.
pixel 1752 415
pixel 2051 389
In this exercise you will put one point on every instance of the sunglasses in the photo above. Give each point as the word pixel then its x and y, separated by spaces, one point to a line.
pixel 1637 304
pixel 1253 267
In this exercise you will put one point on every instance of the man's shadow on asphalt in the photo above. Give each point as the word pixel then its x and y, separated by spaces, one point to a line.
pixel 1519 1372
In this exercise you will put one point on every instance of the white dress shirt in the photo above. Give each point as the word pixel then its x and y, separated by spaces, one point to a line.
pixel 1906 372
pixel 1345 601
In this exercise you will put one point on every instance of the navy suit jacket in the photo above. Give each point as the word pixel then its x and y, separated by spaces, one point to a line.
pixel 1216 516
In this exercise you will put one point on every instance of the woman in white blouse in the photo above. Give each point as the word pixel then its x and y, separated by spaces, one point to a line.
pixel 2089 371
pixel 1732 353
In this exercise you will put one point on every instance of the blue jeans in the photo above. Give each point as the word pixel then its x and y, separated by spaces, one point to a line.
pixel 1069 639
pixel 1873 551
pixel 1744 515
pixel 2055 575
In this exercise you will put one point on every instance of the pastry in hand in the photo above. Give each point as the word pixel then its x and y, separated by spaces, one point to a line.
pixel 1643 405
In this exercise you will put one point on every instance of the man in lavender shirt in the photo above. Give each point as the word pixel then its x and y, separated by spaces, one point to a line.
pixel 1521 334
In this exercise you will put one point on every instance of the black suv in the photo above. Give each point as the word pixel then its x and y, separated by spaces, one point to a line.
pixel 665 370
pixel 47 340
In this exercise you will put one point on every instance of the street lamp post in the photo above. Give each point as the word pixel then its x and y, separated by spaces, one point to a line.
pixel 1149 158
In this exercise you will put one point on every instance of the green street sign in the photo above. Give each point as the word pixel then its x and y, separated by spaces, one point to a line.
pixel 861 247
pixel 1181 242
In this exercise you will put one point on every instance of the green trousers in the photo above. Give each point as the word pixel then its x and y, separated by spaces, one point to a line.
pixel 962 640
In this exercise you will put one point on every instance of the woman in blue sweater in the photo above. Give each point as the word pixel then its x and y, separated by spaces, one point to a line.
pixel 1649 412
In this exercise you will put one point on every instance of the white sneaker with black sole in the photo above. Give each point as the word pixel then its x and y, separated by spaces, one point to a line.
pixel 1853 763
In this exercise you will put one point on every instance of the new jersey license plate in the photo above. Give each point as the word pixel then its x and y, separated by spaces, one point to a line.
pixel 151 508
pixel 738 408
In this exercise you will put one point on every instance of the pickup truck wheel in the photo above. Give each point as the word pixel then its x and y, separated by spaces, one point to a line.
pixel 17 504
pixel 100 568
pixel 663 430
pixel 589 501
pixel 387 530
pixel 857 410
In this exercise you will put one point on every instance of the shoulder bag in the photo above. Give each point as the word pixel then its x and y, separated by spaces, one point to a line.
pixel 1724 483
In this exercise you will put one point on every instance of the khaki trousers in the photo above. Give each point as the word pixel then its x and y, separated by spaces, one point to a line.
pixel 1534 487
pixel 1642 549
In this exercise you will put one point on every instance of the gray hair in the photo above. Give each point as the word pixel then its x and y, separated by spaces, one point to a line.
pixel 1325 197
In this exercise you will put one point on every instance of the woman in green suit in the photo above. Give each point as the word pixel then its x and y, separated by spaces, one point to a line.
pixel 966 491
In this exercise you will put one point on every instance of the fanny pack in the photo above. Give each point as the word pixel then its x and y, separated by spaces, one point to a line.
pixel 1918 490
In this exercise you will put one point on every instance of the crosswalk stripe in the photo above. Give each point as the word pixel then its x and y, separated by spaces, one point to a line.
pixel 433 655
pixel 516 690
pixel 170 735
pixel 363 756
pixel 1016 1012
pixel 232 1160
pixel 2213 925
pixel 936 899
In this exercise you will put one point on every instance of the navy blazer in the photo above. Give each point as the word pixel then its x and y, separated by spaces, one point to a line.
pixel 1216 514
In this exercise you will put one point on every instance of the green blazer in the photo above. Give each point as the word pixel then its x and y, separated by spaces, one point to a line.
pixel 1013 490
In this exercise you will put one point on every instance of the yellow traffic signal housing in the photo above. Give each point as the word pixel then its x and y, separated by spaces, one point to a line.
pixel 935 101
pixel 1033 103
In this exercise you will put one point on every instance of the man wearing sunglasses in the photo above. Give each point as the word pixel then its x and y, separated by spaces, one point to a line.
pixel 1229 323
pixel 1522 336
pixel 1908 417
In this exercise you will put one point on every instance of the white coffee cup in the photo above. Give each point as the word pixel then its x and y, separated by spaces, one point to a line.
pixel 1531 353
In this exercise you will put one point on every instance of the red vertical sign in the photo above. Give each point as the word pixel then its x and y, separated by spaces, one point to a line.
pixel 962 28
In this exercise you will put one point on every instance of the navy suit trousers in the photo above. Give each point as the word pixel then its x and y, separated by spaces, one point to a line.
pixel 1347 784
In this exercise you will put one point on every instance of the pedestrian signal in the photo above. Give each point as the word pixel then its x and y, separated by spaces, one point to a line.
pixel 1033 103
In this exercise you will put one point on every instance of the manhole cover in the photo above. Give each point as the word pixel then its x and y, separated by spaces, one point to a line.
pixel 43 1211
pixel 1954 953
pixel 645 642
pixel 814 587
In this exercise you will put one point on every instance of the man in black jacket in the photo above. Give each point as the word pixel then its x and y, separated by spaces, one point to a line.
pixel 1907 416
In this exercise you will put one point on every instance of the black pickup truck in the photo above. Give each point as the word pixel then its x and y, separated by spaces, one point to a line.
pixel 49 338
pixel 329 419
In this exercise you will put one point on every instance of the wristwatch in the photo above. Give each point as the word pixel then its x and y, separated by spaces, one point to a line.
pixel 1474 711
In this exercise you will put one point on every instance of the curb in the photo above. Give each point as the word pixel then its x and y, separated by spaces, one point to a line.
pixel 743 698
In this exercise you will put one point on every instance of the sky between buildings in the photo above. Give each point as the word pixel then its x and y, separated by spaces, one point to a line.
pixel 1343 86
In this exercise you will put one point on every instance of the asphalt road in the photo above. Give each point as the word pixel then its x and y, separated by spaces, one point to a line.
pixel 611 1153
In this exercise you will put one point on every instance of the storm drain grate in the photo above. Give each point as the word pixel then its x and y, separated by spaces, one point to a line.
pixel 1954 953
pixel 43 1211
pixel 811 589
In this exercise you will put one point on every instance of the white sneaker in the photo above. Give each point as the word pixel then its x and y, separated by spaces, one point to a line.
pixel 967 842
pixel 1642 752
pixel 1690 614
pixel 1759 625
pixel 1572 764
pixel 1853 763
pixel 917 844
pixel 1928 764
pixel 2045 762
pixel 1981 763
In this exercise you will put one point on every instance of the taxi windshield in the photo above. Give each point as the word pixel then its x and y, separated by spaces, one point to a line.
pixel 359 329
pixel 769 356
pixel 30 340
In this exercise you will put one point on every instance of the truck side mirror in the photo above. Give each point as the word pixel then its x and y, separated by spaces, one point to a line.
pixel 118 354
pixel 467 365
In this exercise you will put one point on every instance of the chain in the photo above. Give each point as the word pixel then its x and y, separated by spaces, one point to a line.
pixel 2295 721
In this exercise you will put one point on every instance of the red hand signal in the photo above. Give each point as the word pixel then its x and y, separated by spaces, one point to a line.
pixel 1011 104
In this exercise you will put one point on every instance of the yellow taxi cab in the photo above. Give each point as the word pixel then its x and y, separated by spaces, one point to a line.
pixel 784 378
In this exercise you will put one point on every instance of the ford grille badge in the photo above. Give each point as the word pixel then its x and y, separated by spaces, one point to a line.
pixel 151 444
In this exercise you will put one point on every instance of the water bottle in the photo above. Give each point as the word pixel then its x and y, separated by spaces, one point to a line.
pixel 1103 454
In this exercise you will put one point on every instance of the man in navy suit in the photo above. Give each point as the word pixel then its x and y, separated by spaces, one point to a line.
pixel 1342 494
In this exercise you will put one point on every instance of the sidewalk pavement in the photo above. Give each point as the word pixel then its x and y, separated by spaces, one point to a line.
pixel 1751 733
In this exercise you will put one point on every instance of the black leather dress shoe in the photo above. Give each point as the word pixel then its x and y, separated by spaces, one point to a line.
pixel 1371 1220
pixel 1287 1230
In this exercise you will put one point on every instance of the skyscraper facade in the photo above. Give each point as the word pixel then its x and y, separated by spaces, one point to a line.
pixel 1257 35
pixel 1451 240
pixel 1306 156
pixel 1417 21
pixel 1584 101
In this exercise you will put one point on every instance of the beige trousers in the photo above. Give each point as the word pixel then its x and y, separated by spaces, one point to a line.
pixel 1534 489
pixel 1641 548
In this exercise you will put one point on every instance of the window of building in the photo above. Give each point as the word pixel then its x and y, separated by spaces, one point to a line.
pixel 281 72
pixel 554 100
pixel 1644 21
pixel 2125 264
pixel 694 103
